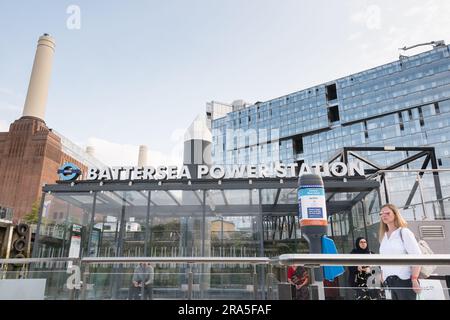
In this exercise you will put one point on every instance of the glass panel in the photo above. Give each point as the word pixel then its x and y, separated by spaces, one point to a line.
pixel 135 211
pixel 64 225
pixel 232 230
pixel 162 198
pixel 107 232
pixel 286 196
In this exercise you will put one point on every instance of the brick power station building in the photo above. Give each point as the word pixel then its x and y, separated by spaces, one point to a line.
pixel 30 152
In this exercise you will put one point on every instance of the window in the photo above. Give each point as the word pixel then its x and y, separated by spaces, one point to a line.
pixel 400 118
pixel 366 132
pixel 436 108
pixel 298 145
pixel 422 123
pixel 331 92
pixel 333 114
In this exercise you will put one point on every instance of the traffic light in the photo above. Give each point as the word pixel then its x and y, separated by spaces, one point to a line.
pixel 20 242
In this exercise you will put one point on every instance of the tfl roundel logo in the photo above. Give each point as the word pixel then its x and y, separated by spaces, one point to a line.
pixel 68 171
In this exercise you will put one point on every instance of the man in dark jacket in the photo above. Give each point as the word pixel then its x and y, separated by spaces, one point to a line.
pixel 142 282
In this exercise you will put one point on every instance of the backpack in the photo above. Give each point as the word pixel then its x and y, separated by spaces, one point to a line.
pixel 427 270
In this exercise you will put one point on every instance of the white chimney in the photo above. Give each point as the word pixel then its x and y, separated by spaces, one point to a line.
pixel 90 150
pixel 142 159
pixel 36 100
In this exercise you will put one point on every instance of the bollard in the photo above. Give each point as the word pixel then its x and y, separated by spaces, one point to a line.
pixel 313 221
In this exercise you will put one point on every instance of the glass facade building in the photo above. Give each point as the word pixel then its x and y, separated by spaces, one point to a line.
pixel 405 103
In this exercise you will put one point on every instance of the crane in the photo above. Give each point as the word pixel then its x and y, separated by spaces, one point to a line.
pixel 435 44
pixel 439 43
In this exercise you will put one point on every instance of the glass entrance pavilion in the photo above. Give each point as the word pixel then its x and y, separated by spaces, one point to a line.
pixel 193 218
pixel 196 218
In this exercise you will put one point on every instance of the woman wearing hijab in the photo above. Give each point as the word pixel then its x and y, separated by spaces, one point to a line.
pixel 358 275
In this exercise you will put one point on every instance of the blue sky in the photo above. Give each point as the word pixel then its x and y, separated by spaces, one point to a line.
pixel 138 72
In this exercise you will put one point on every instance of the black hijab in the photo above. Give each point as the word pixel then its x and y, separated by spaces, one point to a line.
pixel 358 249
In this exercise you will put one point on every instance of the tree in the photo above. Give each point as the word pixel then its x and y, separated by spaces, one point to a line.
pixel 33 216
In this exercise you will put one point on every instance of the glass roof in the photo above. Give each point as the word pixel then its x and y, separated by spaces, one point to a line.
pixel 189 202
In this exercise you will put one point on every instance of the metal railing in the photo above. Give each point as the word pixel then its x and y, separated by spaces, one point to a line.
pixel 361 259
pixel 189 261
pixel 307 260
pixel 438 207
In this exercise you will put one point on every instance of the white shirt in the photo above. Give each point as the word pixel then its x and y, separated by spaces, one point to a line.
pixel 395 245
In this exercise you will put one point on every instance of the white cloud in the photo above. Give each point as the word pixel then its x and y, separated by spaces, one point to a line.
pixel 355 36
pixel 357 17
pixel 370 17
pixel 397 25
pixel 116 154
pixel 412 11
pixel 373 17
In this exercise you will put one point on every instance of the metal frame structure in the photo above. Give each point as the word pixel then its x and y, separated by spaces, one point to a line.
pixel 275 217
pixel 428 155
pixel 332 185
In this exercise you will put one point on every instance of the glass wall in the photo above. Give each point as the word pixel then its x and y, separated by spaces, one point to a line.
pixel 182 223
pixel 63 232
pixel 64 225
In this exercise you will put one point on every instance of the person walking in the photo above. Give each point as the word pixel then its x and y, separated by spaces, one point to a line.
pixel 397 239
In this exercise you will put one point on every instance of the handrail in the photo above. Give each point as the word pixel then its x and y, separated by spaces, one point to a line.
pixel 226 260
pixel 414 170
pixel 285 259
pixel 361 259
pixel 416 204
pixel 36 260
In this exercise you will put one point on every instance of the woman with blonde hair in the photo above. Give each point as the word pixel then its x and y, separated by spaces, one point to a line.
pixel 396 238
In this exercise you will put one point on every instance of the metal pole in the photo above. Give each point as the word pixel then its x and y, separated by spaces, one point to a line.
pixel 437 181
pixel 386 191
pixel 147 224
pixel 190 282
pixel 364 222
pixel 255 283
pixel 66 225
pixel 269 283
pixel 419 181
pixel 84 284
pixel 221 235
pixel 203 268
pixel 434 210
pixel 91 226
pixel 260 225
pixel 36 236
